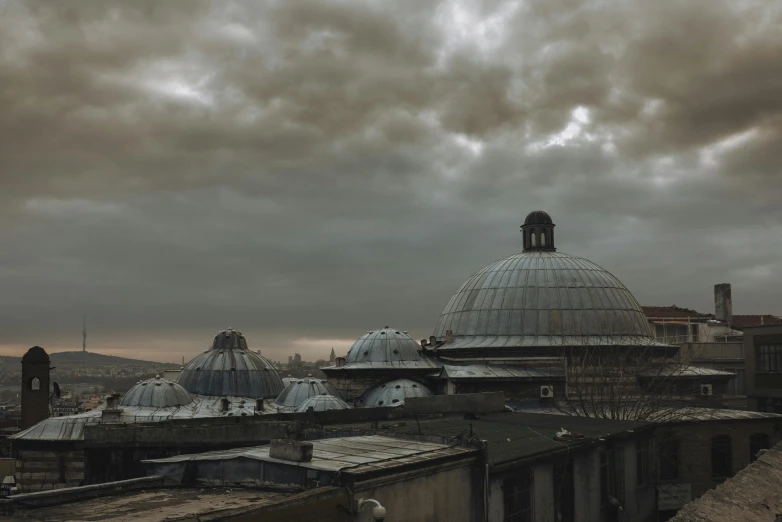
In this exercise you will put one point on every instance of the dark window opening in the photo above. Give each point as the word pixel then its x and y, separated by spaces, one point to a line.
pixel 721 457
pixel 643 456
pixel 768 358
pixel 757 442
pixel 668 459
pixel 517 496
pixel 564 492
pixel 611 482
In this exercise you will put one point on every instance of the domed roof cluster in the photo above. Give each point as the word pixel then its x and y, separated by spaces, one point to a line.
pixel 323 403
pixel 384 346
pixel 394 393
pixel 230 369
pixel 156 393
pixel 299 391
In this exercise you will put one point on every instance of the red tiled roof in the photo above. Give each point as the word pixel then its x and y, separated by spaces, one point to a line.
pixel 653 312
pixel 755 320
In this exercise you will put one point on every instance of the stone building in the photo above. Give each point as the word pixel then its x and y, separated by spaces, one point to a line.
pixel 763 363
pixel 35 387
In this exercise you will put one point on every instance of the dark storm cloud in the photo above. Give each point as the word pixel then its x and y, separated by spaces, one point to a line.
pixel 310 170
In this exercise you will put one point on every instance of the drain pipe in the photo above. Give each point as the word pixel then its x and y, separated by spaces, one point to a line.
pixel 378 512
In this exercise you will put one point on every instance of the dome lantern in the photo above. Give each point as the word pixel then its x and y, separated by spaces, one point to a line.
pixel 538 232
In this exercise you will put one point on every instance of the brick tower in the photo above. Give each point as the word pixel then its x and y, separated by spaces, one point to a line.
pixel 35 387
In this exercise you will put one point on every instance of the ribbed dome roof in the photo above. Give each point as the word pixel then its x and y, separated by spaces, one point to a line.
pixel 394 393
pixel 36 354
pixel 543 299
pixel 157 393
pixel 230 369
pixel 323 403
pixel 299 391
pixel 387 345
pixel 538 217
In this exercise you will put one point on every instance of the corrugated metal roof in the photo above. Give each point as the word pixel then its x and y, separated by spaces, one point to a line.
pixel 394 393
pixel 299 391
pixel 543 299
pixel 357 454
pixel 71 427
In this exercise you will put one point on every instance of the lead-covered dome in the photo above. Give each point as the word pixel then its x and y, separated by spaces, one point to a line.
pixel 538 217
pixel 394 393
pixel 542 298
pixel 157 393
pixel 299 391
pixel 386 348
pixel 323 403
pixel 230 369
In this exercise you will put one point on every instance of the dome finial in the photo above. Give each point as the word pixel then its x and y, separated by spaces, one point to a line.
pixel 538 230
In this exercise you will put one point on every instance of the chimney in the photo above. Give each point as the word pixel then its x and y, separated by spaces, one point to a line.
pixel 340 361
pixel 112 413
pixel 423 343
pixel 448 336
pixel 723 303
pixel 290 450
pixel 432 340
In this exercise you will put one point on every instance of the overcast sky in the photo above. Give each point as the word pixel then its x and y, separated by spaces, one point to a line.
pixel 306 171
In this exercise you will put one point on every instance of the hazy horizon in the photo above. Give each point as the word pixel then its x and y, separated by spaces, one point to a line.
pixel 307 171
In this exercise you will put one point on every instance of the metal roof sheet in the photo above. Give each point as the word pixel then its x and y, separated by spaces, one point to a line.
pixel 357 454
pixel 491 371
pixel 234 372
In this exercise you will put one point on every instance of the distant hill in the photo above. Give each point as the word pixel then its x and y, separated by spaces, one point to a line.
pixel 98 359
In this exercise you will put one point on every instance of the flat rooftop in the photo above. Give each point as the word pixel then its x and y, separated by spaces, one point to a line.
pixel 159 504
pixel 510 436
pixel 359 454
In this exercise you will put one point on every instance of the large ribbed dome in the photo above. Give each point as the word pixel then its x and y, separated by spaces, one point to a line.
pixel 543 298
pixel 230 369
pixel 157 393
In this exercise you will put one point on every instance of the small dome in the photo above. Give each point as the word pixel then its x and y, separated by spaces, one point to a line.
pixel 323 403
pixel 35 355
pixel 157 393
pixel 394 393
pixel 299 391
pixel 538 217
pixel 230 369
pixel 387 345
pixel 289 379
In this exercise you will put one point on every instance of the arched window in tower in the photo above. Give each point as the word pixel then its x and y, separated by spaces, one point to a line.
pixel 543 239
pixel 532 236
pixel 35 384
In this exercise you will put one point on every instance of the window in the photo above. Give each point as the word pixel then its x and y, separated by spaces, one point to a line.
pixel 564 492
pixel 757 442
pixel 668 458
pixel 35 384
pixel 768 358
pixel 532 236
pixel 643 450
pixel 721 457
pixel 517 493
pixel 542 239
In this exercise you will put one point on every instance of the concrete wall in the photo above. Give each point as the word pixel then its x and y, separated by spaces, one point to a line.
pixel 496 502
pixel 42 470
pixel 695 447
pixel 445 495
pixel 469 402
